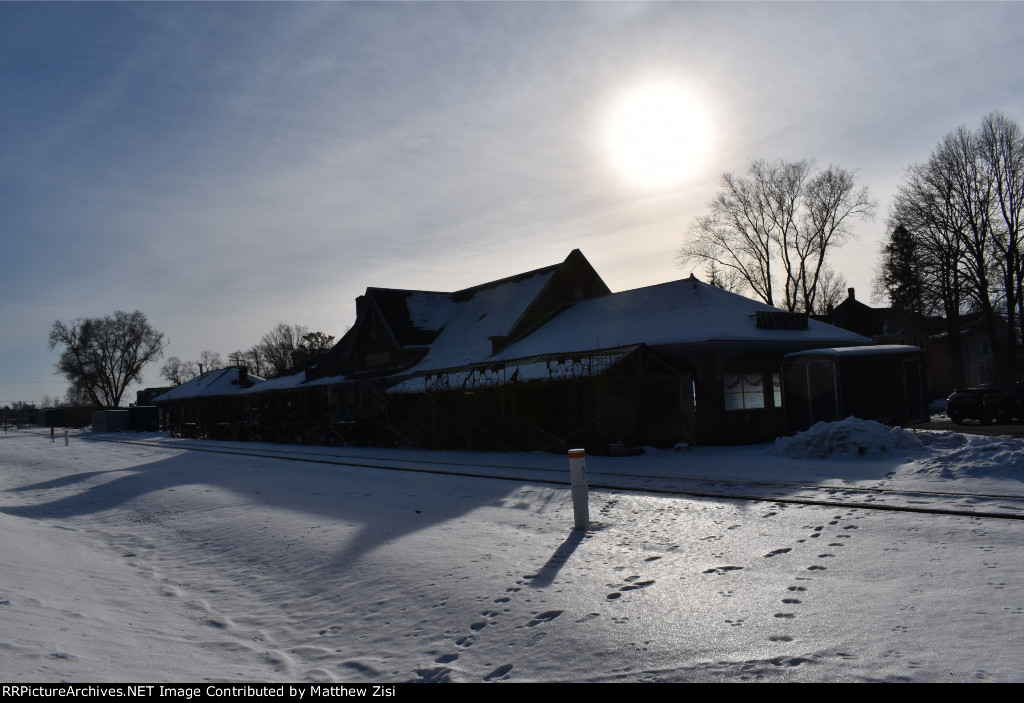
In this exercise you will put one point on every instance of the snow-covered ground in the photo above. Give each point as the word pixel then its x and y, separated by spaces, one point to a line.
pixel 150 561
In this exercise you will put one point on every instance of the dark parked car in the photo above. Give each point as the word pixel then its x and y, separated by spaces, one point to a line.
pixel 986 404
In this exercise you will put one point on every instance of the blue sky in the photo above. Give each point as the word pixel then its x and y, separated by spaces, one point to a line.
pixel 227 166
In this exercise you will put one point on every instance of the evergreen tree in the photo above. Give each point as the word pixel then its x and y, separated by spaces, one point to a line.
pixel 899 274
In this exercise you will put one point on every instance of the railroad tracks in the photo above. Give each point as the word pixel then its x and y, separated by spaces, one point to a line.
pixel 1001 506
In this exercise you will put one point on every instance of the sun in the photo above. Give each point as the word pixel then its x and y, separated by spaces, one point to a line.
pixel 657 135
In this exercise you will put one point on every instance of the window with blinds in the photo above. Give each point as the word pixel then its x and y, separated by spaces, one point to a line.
pixel 743 391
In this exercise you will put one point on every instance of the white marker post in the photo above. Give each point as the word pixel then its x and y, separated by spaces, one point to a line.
pixel 580 499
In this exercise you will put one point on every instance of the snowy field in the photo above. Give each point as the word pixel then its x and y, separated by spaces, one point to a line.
pixel 150 561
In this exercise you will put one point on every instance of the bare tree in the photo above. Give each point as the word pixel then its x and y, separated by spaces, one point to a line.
pixel 958 165
pixel 962 210
pixel 77 397
pixel 285 349
pixel 252 359
pixel 1001 146
pixel 831 290
pixel 105 355
pixel 278 347
pixel 312 344
pixel 781 219
pixel 737 235
pixel 925 208
pixel 177 371
pixel 726 279
pixel 832 202
pixel 210 361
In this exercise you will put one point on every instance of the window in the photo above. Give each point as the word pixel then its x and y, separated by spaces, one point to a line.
pixel 745 391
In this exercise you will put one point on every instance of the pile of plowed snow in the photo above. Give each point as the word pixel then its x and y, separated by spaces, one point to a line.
pixel 851 437
pixel 944 454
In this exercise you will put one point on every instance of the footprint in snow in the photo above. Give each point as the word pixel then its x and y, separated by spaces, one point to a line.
pixel 498 673
pixel 543 617
pixel 439 674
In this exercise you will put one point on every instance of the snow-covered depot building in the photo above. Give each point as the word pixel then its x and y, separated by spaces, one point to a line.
pixel 214 404
pixel 547 359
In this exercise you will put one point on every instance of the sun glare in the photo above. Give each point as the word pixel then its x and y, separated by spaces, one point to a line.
pixel 657 135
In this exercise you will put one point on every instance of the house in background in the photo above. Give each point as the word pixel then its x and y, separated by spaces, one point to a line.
pixel 894 326
pixel 146 395
pixel 979 363
pixel 883 325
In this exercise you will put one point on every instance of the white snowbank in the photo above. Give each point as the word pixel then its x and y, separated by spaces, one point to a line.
pixel 939 454
pixel 851 437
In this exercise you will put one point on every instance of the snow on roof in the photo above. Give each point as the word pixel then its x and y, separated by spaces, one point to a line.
pixel 271 384
pixel 213 383
pixel 875 349
pixel 467 325
pixel 428 310
pixel 546 367
pixel 681 312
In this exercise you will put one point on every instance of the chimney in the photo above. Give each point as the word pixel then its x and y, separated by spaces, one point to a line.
pixel 849 294
pixel 243 377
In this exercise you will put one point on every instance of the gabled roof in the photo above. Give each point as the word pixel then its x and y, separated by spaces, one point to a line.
pixel 679 313
pixel 561 309
pixel 407 327
pixel 215 383
pixel 470 318
pixel 853 315
pixel 433 329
